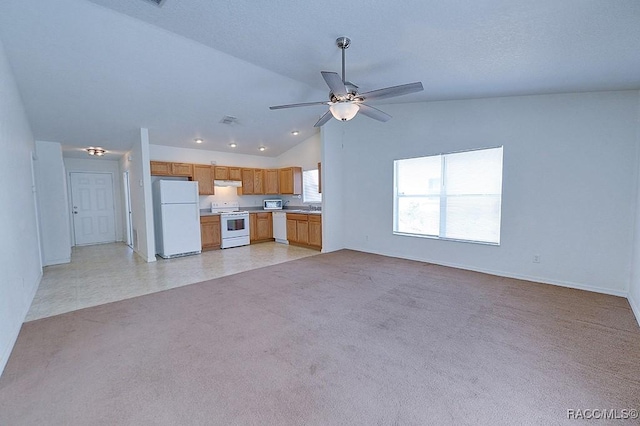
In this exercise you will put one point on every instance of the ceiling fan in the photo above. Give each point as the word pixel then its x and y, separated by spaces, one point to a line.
pixel 345 101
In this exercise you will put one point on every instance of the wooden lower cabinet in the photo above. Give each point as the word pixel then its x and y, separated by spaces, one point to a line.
pixel 315 231
pixel 292 229
pixel 210 232
pixel 260 227
pixel 304 230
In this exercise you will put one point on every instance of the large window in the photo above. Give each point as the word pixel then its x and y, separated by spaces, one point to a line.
pixel 310 187
pixel 454 196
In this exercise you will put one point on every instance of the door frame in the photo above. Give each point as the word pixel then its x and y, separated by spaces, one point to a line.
pixel 127 208
pixel 70 199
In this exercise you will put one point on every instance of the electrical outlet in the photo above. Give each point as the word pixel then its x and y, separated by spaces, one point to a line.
pixel 536 258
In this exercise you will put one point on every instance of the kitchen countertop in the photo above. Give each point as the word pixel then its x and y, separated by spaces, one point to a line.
pixel 207 212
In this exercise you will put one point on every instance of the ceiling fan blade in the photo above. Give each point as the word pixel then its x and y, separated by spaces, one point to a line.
pixel 300 105
pixel 326 117
pixel 374 113
pixel 334 82
pixel 388 92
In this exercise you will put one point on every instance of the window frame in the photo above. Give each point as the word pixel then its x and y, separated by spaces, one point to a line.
pixel 442 197
pixel 317 187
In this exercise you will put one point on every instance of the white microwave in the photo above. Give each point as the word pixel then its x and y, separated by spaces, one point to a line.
pixel 272 205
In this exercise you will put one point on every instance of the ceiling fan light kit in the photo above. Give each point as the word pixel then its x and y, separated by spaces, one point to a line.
pixel 345 101
pixel 344 111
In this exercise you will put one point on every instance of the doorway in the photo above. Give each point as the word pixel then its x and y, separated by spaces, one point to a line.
pixel 93 211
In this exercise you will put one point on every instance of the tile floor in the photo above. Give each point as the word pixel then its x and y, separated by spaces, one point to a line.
pixel 110 272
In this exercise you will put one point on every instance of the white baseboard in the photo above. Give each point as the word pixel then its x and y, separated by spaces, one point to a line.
pixel 58 261
pixel 568 284
pixel 635 307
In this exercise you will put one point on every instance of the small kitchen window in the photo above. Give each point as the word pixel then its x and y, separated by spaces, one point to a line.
pixel 310 181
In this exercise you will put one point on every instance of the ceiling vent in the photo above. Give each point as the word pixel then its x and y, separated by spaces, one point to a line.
pixel 230 120
pixel 157 2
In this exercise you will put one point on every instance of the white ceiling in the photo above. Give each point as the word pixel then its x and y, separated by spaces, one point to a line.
pixel 94 72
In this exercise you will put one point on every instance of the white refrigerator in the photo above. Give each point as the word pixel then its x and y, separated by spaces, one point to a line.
pixel 176 212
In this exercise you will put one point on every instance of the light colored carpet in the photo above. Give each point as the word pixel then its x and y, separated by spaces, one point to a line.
pixel 343 338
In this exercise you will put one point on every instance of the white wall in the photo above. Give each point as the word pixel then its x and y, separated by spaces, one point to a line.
pixel 20 267
pixel 201 156
pixel 307 154
pixel 335 171
pixel 634 287
pixel 53 211
pixel 136 162
pixel 570 164
pixel 96 165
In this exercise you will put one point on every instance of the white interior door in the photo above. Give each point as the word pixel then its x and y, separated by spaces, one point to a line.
pixel 92 208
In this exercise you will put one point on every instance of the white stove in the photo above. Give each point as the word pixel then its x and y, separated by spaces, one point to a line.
pixel 234 224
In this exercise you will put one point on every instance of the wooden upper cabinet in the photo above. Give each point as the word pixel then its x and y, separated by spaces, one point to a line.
pixel 247 181
pixel 291 180
pixel 221 173
pixel 258 181
pixel 271 179
pixel 235 173
pixel 160 168
pixel 166 168
pixel 286 181
pixel 228 173
pixel 182 169
pixel 204 176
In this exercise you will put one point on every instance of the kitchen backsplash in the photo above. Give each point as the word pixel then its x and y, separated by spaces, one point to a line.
pixel 229 194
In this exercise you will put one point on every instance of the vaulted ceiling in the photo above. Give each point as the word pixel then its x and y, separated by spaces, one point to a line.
pixel 94 72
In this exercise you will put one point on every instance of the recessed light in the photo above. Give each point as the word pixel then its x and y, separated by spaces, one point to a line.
pixel 233 144
pixel 95 151
pixel 295 133
pixel 199 140
pixel 262 148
